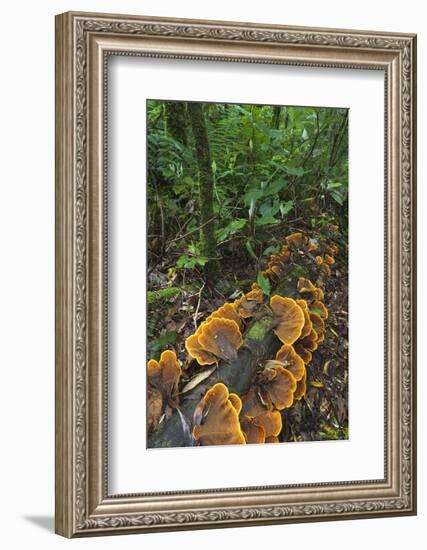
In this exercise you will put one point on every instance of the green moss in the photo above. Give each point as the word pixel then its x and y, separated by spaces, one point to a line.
pixel 332 433
pixel 259 330
pixel 298 271
pixel 162 295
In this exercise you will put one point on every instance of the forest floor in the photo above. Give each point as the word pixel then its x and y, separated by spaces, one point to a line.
pixel 179 300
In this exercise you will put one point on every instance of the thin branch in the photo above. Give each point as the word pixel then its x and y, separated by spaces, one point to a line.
pixel 180 237
pixel 198 305
pixel 313 145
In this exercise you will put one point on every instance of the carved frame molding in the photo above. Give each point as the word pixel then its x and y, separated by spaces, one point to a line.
pixel 83 43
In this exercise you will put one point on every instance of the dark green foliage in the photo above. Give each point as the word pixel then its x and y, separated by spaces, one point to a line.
pixel 258 170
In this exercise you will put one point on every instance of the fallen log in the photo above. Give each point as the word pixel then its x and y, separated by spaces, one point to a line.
pixel 260 344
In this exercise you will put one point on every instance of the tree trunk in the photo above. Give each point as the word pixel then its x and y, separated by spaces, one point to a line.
pixel 176 121
pixel 206 188
pixel 277 110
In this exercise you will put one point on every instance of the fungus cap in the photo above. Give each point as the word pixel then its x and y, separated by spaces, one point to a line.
pixel 285 252
pixel 272 439
pixel 266 425
pixel 154 408
pixel 291 361
pixel 165 373
pixel 310 341
pixel 305 286
pixel 318 323
pixel 297 240
pixel 216 420
pixel 216 338
pixel 325 268
pixel 270 421
pixel 304 353
pixel 252 405
pixel 249 303
pixel 329 259
pixel 306 329
pixel 301 388
pixel 163 377
pixel 277 387
pixel 319 308
pixel 202 356
pixel 289 319
pixel 235 401
pixel 253 434
pixel 227 311
pixel 221 337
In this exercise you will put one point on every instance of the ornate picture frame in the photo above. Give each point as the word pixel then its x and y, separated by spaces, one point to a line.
pixel 84 42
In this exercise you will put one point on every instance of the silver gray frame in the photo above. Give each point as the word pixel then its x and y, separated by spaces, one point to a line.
pixel 83 43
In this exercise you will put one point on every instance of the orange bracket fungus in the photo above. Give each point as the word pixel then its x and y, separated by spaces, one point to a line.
pixel 289 319
pixel 291 361
pixel 222 337
pixel 163 377
pixel 266 426
pixel 277 265
pixel 309 291
pixel 329 259
pixel 251 404
pixel 318 323
pixel 306 329
pixel 304 353
pixel 301 388
pixel 310 341
pixel 164 374
pixel 319 307
pixel 227 311
pixel 154 408
pixel 249 303
pixel 277 387
pixel 216 418
pixel 215 339
pixel 297 240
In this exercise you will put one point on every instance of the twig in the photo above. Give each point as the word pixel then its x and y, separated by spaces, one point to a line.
pixel 198 305
pixel 310 152
pixel 192 231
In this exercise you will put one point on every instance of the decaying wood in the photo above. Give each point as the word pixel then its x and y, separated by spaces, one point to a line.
pixel 260 344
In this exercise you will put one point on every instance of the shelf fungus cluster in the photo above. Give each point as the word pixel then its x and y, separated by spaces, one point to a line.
pixel 297 327
pixel 219 337
pixel 162 378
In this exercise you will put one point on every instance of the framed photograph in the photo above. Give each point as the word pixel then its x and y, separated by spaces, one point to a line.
pixel 235 274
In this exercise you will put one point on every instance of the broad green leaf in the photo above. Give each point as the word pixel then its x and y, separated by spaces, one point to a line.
pixel 337 197
pixel 266 220
pixel 333 185
pixel 160 344
pixel 272 249
pixel 251 250
pixel 295 171
pixel 264 284
pixel 286 207
pixel 274 187
pixel 252 195
pixel 202 260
